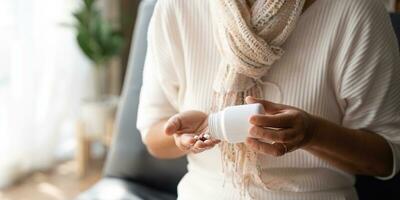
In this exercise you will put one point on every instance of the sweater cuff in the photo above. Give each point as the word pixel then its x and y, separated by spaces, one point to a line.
pixel 396 162
pixel 144 134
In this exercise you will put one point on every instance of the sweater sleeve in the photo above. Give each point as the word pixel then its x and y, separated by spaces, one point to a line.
pixel 370 81
pixel 159 98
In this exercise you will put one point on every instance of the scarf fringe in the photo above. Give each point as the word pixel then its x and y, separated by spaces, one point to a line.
pixel 248 35
pixel 237 158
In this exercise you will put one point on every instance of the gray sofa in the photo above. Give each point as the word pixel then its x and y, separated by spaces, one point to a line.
pixel 131 173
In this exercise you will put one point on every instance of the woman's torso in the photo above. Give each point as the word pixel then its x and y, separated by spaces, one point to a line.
pixel 307 77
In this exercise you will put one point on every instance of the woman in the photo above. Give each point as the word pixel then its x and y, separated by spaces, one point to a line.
pixel 324 70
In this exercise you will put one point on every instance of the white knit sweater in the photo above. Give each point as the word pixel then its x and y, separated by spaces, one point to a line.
pixel 341 63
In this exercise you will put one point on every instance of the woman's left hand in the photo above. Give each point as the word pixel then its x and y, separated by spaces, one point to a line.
pixel 280 130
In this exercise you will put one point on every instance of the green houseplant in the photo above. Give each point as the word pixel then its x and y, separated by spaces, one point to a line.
pixel 100 42
pixel 97 39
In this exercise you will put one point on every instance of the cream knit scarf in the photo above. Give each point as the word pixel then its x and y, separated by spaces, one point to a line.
pixel 248 34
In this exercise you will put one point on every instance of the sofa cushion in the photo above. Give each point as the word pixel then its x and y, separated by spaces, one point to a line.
pixel 128 157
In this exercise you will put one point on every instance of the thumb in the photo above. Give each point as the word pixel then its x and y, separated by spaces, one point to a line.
pixel 172 125
pixel 268 105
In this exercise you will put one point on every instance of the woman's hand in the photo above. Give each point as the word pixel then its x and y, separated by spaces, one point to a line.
pixel 188 128
pixel 282 129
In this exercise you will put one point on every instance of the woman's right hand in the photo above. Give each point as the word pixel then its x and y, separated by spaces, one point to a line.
pixel 187 128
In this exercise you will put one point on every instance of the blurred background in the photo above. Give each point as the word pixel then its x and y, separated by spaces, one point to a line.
pixel 62 65
pixel 62 68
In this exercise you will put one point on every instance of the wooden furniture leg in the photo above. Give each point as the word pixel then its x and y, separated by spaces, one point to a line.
pixel 82 156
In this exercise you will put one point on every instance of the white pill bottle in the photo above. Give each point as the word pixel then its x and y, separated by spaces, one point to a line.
pixel 232 124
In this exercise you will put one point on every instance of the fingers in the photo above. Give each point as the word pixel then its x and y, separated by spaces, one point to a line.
pixel 188 139
pixel 172 125
pixel 201 146
pixel 185 141
pixel 275 149
pixel 268 106
pixel 281 120
pixel 188 142
pixel 186 122
pixel 282 127
pixel 207 143
pixel 273 135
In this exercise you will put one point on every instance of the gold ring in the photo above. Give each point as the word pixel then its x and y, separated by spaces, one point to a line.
pixel 283 145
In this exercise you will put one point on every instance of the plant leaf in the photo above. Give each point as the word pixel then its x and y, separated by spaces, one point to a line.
pixel 89 3
pixel 95 36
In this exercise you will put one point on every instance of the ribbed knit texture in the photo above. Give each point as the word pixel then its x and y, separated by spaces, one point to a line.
pixel 248 35
pixel 341 63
